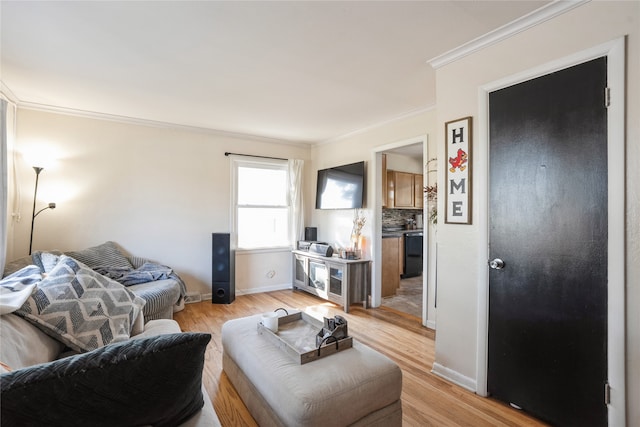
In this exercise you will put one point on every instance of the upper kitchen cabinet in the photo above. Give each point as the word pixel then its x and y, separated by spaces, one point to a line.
pixel 404 190
pixel 418 191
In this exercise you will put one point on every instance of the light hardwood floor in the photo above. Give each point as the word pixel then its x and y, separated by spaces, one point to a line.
pixel 427 400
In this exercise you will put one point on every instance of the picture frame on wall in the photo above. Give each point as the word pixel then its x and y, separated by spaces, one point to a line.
pixel 458 135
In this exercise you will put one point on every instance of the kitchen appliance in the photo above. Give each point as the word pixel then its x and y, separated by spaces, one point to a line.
pixel 419 221
pixel 412 255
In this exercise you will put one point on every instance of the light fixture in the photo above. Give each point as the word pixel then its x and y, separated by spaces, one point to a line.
pixel 34 214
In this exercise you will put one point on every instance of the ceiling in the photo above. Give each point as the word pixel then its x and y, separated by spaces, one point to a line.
pixel 299 71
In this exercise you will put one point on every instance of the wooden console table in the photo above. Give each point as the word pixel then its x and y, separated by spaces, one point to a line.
pixel 343 281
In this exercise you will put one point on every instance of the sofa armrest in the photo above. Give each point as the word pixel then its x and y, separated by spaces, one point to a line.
pixel 23 344
pixel 158 327
pixel 207 417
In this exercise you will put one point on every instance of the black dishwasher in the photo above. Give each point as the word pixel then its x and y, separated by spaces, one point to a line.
pixel 412 255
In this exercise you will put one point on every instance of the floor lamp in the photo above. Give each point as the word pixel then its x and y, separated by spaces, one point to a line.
pixel 34 214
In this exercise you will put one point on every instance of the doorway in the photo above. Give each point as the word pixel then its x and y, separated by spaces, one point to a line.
pixel 402 291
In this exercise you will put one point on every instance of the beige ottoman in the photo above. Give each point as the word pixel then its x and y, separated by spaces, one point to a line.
pixel 355 387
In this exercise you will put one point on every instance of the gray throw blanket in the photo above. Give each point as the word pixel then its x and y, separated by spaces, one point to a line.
pixel 147 272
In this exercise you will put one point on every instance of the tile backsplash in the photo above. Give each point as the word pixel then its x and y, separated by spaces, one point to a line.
pixel 398 217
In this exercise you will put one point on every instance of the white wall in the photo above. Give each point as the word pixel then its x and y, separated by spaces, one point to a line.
pixel 402 163
pixel 458 86
pixel 335 226
pixel 157 192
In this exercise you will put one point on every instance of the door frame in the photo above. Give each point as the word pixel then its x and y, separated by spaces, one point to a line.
pixel 615 53
pixel 376 285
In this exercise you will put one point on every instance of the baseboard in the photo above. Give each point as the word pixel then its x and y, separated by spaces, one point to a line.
pixel 192 297
pixel 454 377
pixel 259 290
pixel 262 289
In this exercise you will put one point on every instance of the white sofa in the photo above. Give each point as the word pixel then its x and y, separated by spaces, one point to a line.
pixel 25 347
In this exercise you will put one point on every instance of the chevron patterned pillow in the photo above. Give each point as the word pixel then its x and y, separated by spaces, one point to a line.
pixel 81 308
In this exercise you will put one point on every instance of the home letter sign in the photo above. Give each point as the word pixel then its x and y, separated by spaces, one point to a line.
pixel 458 185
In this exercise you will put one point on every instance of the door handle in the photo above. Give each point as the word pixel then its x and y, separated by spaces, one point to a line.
pixel 496 264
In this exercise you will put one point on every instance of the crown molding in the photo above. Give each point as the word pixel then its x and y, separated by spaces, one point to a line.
pixel 538 16
pixel 150 123
pixel 7 94
pixel 376 125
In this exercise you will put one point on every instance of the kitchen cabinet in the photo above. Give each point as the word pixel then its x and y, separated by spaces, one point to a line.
pixel 404 194
pixel 335 279
pixel 418 191
pixel 391 266
pixel 404 190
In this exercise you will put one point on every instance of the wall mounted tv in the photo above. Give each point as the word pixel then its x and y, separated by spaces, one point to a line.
pixel 341 187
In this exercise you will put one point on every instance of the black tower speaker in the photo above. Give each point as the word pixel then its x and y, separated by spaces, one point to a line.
pixel 311 234
pixel 223 290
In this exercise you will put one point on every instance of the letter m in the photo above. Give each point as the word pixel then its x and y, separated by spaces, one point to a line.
pixel 459 186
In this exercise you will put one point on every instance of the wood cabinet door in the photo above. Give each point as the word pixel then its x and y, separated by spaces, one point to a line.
pixel 418 191
pixel 390 265
pixel 404 192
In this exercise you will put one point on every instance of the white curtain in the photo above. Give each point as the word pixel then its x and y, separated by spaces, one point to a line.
pixel 4 112
pixel 296 230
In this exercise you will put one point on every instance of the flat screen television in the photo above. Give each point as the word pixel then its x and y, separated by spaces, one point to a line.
pixel 341 187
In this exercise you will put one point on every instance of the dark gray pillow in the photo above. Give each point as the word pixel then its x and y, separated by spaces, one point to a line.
pixel 104 255
pixel 150 381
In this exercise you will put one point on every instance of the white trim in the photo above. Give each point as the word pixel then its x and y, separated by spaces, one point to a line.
pixel 262 289
pixel 409 141
pixel 376 252
pixel 278 249
pixel 616 327
pixel 152 123
pixel 253 162
pixel 482 201
pixel 377 125
pixel 453 376
pixel 615 51
pixel 431 324
pixel 6 93
pixel 376 232
pixel 538 16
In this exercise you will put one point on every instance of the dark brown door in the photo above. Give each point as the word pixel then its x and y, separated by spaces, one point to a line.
pixel 548 246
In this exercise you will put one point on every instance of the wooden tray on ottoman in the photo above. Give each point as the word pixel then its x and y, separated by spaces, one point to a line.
pixel 296 336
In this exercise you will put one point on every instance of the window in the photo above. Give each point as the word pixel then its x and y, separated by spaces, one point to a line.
pixel 261 214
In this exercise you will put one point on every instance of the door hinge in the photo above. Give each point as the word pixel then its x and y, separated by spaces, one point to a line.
pixel 607 97
pixel 607 394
